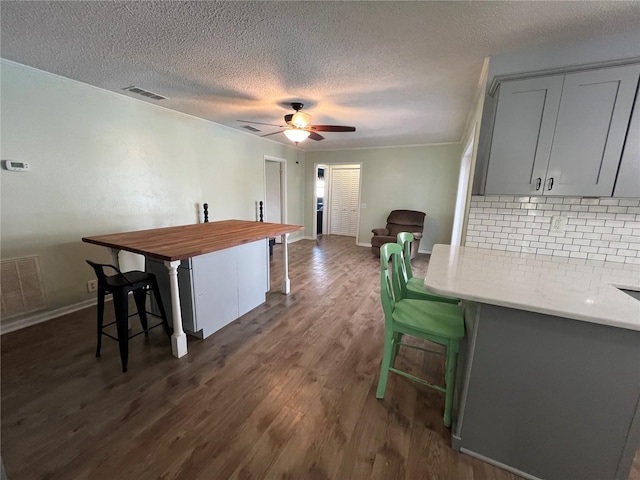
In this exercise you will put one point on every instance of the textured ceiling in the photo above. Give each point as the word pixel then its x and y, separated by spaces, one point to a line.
pixel 403 73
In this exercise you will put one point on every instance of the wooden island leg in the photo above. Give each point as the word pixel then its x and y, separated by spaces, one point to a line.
pixel 286 284
pixel 178 339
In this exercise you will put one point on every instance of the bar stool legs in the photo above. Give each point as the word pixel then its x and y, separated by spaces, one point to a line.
pixel 119 285
pixel 101 295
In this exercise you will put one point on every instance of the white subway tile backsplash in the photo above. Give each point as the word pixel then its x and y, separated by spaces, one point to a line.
pixel 619 245
pixel 617 209
pixel 598 209
pixel 597 228
pixel 597 223
pixel 579 208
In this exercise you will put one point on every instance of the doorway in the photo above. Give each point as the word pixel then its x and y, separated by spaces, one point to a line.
pixel 336 198
pixel 275 199
pixel 320 188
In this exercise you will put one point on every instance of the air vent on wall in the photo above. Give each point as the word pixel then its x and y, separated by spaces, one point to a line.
pixel 144 93
pixel 250 128
pixel 21 287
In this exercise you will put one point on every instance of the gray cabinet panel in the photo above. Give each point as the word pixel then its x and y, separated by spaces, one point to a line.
pixel 590 131
pixel 523 135
pixel 568 131
pixel 553 397
pixel 628 182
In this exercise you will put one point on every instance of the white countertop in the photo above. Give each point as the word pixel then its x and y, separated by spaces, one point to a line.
pixel 565 287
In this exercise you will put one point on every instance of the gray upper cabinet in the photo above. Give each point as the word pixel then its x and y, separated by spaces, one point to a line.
pixel 628 182
pixel 523 135
pixel 563 134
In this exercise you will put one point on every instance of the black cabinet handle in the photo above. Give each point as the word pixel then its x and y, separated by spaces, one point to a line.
pixel 538 183
pixel 550 184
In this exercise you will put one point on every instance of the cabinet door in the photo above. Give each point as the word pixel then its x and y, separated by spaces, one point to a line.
pixel 214 287
pixel 590 131
pixel 344 201
pixel 522 135
pixel 253 275
pixel 628 182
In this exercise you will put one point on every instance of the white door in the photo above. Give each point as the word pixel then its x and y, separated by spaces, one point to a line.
pixel 344 200
pixel 272 204
pixel 273 180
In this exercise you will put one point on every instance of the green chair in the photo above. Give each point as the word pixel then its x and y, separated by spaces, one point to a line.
pixel 410 286
pixel 437 322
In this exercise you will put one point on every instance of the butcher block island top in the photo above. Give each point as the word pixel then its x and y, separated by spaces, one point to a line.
pixel 186 241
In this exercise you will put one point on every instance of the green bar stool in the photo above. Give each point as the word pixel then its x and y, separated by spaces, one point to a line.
pixel 410 286
pixel 437 322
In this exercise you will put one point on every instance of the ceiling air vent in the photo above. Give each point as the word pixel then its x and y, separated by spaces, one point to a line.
pixel 145 93
pixel 250 128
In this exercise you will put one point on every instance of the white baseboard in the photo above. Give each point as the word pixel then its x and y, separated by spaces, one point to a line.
pixel 24 322
pixel 424 251
pixel 299 238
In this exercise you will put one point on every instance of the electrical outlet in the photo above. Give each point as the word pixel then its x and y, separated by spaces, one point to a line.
pixel 92 286
pixel 558 224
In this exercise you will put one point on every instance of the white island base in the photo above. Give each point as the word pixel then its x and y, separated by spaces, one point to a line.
pixel 216 288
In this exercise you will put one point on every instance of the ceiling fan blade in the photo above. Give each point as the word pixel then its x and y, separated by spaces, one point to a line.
pixel 273 133
pixel 331 128
pixel 260 123
pixel 315 136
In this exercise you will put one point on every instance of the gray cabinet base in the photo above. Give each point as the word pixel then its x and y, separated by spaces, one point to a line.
pixel 550 397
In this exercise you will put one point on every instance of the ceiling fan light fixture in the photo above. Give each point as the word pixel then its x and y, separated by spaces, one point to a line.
pixel 300 119
pixel 296 135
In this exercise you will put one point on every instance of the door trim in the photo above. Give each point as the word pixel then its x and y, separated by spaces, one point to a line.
pixel 283 184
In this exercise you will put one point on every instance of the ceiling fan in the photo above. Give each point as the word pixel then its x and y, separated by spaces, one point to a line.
pixel 298 128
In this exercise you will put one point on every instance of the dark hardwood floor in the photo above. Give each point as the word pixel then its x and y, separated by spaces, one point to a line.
pixel 287 391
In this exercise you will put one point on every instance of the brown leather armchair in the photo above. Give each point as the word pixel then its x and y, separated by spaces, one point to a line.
pixel 399 221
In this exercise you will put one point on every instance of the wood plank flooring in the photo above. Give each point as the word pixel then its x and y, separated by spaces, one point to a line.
pixel 285 392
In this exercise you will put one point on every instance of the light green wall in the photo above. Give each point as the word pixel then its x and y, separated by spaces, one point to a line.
pixel 105 163
pixel 420 178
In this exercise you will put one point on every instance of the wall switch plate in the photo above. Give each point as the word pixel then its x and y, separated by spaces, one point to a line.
pixel 92 286
pixel 363 205
pixel 558 223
